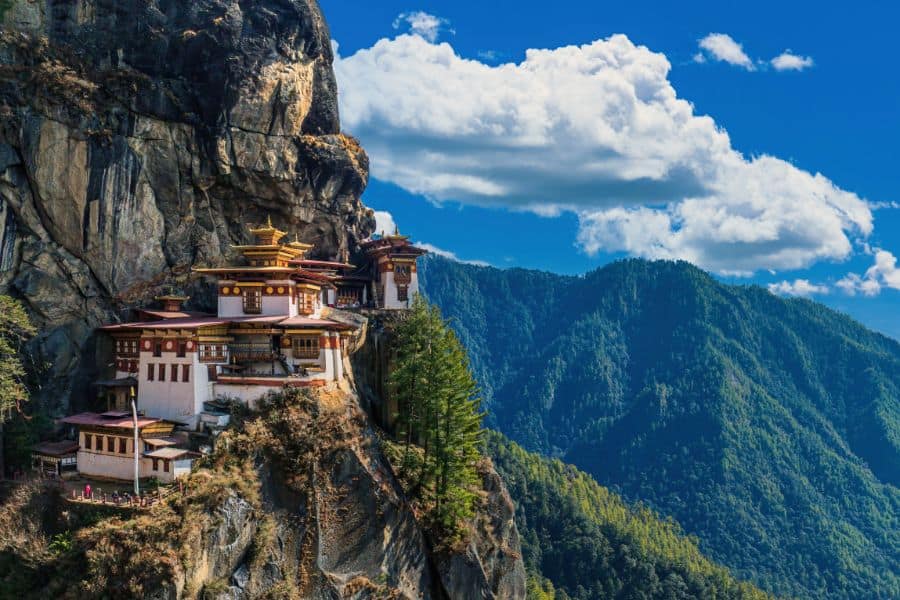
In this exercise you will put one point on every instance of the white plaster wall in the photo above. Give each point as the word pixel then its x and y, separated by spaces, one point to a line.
pixel 114 466
pixel 247 394
pixel 231 306
pixel 278 305
pixel 167 399
pixel 200 381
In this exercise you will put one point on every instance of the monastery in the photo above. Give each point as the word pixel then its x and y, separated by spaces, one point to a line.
pixel 275 327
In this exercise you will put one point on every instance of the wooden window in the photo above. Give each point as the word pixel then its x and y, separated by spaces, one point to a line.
pixel 173 372
pixel 123 445
pixel 306 346
pixel 150 369
pixel 110 444
pixel 162 372
pixel 186 373
pixel 182 349
pixel 166 465
pixel 402 293
pixel 155 464
pixel 253 301
pixel 157 349
pixel 212 352
pixel 98 442
pixel 87 441
pixel 307 303
pixel 402 273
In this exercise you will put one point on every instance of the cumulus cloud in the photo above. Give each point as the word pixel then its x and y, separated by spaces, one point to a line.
pixel 788 61
pixel 384 222
pixel 884 273
pixel 422 24
pixel 597 130
pixel 799 287
pixel 722 47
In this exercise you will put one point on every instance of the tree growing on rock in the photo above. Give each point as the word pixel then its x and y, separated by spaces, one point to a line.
pixel 439 420
pixel 15 329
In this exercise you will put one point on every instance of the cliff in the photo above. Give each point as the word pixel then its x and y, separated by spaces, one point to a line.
pixel 139 138
pixel 298 501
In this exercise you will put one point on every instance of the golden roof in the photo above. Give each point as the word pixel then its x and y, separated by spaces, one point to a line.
pixel 267 234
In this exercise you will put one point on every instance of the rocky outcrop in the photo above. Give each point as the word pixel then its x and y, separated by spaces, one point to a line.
pixel 490 565
pixel 139 138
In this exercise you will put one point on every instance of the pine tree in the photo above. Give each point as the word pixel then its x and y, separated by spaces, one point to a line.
pixel 15 330
pixel 438 404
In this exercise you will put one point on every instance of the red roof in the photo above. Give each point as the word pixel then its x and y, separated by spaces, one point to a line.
pixel 179 323
pixel 314 323
pixel 262 319
pixel 56 448
pixel 98 420
pixel 320 263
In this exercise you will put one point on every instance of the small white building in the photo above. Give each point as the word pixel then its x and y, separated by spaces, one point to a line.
pixel 106 447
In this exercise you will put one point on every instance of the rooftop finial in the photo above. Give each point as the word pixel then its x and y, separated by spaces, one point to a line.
pixel 269 220
pixel 396 229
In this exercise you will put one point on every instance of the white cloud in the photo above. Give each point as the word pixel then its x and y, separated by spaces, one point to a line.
pixel 451 255
pixel 722 47
pixel 596 130
pixel 799 287
pixel 384 222
pixel 788 61
pixel 884 273
pixel 422 24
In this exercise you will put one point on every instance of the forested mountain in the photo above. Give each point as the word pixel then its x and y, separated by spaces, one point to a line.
pixel 590 544
pixel 770 428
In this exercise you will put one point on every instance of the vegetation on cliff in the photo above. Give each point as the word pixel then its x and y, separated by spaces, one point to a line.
pixel 769 428
pixel 439 420
pixel 15 330
pixel 588 543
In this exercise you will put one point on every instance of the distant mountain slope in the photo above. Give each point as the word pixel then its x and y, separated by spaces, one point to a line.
pixel 590 544
pixel 770 428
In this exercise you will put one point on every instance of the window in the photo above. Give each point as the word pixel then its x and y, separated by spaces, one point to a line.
pixel 162 372
pixel 157 349
pixel 253 301
pixel 306 346
pixel 110 444
pixel 98 442
pixel 150 369
pixel 173 370
pixel 87 441
pixel 182 349
pixel 123 445
pixel 165 465
pixel 402 293
pixel 307 302
pixel 212 353
pixel 155 464
pixel 402 273
pixel 186 373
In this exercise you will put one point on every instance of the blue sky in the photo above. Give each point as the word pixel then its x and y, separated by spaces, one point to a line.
pixel 781 170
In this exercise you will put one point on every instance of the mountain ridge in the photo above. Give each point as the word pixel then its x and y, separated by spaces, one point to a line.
pixel 761 424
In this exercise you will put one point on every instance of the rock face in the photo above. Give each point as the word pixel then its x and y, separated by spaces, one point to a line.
pixel 140 137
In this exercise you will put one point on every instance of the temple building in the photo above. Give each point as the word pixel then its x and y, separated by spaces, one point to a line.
pixel 275 327
pixel 272 328
pixel 106 447
pixel 395 280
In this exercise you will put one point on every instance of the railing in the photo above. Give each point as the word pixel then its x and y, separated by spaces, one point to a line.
pixel 252 352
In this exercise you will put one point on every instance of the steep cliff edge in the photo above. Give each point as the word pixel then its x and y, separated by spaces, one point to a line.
pixel 139 137
pixel 298 501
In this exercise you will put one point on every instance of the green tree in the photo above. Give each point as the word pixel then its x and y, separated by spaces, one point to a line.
pixel 439 410
pixel 15 330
